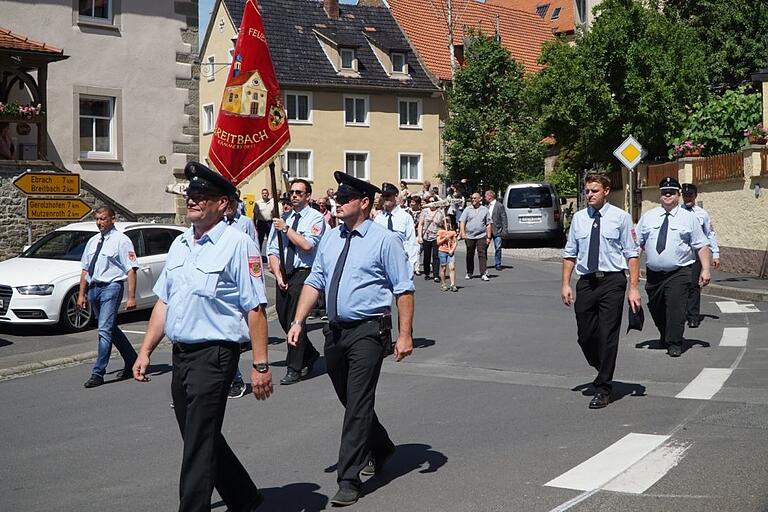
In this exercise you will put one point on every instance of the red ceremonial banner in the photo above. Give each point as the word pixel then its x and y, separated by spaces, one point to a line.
pixel 251 127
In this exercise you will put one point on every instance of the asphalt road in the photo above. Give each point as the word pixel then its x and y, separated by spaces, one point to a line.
pixel 489 414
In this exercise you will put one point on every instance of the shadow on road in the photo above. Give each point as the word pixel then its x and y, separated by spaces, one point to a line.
pixel 422 342
pixel 620 390
pixel 658 345
pixel 5 343
pixel 407 458
pixel 298 497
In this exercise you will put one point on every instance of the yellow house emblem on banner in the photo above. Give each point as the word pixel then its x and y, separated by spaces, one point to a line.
pixel 246 96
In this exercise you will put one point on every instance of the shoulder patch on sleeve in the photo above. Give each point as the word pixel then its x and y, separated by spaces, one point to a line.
pixel 254 266
pixel 316 229
pixel 634 234
pixel 131 255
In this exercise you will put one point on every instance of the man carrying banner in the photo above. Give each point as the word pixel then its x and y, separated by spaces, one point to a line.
pixel 301 230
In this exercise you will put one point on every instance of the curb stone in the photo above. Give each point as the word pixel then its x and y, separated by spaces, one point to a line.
pixel 27 369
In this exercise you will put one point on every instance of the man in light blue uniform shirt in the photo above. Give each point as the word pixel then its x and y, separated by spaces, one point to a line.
pixel 362 267
pixel 600 247
pixel 671 237
pixel 241 222
pixel 301 230
pixel 210 300
pixel 399 221
pixel 693 310
pixel 108 262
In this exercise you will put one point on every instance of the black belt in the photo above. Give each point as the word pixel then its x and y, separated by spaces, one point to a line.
pixel 665 273
pixel 96 284
pixel 339 324
pixel 297 270
pixel 600 275
pixel 193 347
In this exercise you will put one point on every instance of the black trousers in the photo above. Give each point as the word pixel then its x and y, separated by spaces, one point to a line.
pixel 262 230
pixel 202 374
pixel 481 245
pixel 599 307
pixel 693 310
pixel 285 305
pixel 667 302
pixel 353 357
pixel 431 261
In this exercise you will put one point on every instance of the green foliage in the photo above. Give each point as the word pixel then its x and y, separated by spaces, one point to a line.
pixel 734 32
pixel 491 136
pixel 564 176
pixel 720 122
pixel 634 72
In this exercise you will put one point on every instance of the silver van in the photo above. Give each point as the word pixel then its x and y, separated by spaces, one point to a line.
pixel 533 213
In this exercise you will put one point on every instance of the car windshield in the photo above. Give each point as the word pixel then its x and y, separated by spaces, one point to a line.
pixel 529 197
pixel 60 245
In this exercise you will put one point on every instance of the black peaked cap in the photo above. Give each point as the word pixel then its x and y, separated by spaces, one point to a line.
pixel 203 180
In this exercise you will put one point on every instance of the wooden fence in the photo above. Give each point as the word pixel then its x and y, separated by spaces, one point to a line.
pixel 658 172
pixel 718 168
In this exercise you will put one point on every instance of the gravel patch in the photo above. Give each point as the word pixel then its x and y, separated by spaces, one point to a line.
pixel 534 253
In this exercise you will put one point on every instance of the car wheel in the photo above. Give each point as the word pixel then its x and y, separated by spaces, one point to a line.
pixel 72 318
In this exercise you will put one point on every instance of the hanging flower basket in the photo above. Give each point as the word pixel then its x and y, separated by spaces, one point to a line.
pixel 18 111
pixel 689 153
pixel 757 134
pixel 689 149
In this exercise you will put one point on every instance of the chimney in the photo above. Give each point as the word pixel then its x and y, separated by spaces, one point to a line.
pixel 331 8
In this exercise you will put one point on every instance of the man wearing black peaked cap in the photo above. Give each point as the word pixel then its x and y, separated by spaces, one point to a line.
pixel 211 299
pixel 361 266
pixel 671 238
pixel 398 220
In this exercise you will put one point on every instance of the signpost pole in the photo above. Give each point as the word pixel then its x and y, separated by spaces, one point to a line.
pixel 631 194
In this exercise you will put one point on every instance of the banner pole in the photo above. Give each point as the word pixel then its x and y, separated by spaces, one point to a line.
pixel 276 215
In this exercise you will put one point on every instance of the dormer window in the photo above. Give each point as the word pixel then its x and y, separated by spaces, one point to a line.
pixel 347 58
pixel 556 13
pixel 398 63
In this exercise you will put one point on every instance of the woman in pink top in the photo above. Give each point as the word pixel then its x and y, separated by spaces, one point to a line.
pixel 446 247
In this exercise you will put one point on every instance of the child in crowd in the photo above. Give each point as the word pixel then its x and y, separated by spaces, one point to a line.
pixel 446 247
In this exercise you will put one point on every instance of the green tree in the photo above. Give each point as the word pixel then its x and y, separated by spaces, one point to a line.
pixel 491 137
pixel 734 32
pixel 719 123
pixel 634 72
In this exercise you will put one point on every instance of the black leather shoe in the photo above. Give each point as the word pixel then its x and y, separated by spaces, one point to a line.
pixel 94 381
pixel 674 351
pixel 694 323
pixel 376 463
pixel 499 268
pixel 124 374
pixel 345 497
pixel 291 377
pixel 599 401
pixel 308 367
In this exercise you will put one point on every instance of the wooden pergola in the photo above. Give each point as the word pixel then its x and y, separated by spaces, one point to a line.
pixel 20 57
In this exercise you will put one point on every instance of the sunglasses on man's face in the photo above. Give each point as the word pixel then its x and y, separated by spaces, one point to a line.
pixel 345 199
pixel 298 192
pixel 199 198
pixel 668 193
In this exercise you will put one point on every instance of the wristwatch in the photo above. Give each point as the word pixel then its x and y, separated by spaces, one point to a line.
pixel 261 367
pixel 285 229
pixel 295 322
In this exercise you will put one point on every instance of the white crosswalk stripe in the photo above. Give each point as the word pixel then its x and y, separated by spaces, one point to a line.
pixel 734 337
pixel 706 384
pixel 736 307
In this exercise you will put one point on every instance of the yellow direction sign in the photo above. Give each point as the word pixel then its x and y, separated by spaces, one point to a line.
pixel 48 184
pixel 629 153
pixel 56 209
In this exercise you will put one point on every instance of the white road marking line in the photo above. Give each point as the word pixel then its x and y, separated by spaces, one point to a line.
pixel 641 477
pixel 735 307
pixel 133 332
pixel 706 384
pixel 605 466
pixel 734 337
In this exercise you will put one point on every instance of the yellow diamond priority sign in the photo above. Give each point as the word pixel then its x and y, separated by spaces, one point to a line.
pixel 629 153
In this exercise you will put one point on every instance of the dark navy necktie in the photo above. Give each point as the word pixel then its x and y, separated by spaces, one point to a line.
pixel 92 264
pixel 333 289
pixel 290 253
pixel 593 258
pixel 661 242
pixel 389 221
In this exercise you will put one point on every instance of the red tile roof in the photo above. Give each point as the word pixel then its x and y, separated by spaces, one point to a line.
pixel 423 21
pixel 12 41
pixel 564 24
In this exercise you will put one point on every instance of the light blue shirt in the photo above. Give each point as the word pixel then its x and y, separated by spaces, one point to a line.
pixel 617 242
pixel 244 224
pixel 684 235
pixel 402 224
pixel 707 227
pixel 311 226
pixel 210 285
pixel 376 269
pixel 115 259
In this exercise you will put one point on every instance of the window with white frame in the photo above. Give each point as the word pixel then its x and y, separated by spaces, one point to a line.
pixel 398 63
pixel 210 69
pixel 410 112
pixel 208 118
pixel 300 164
pixel 299 107
pixel 356 164
pixel 356 110
pixel 347 58
pixel 410 167
pixel 97 130
pixel 96 10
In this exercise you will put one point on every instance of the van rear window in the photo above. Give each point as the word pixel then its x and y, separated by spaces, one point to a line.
pixel 530 197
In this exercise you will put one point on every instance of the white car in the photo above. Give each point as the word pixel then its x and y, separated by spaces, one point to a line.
pixel 41 285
